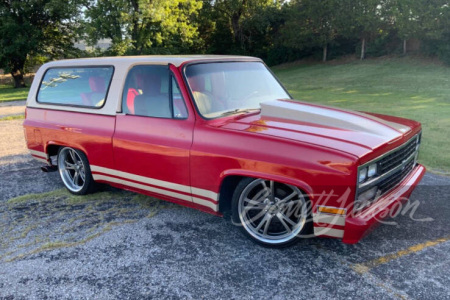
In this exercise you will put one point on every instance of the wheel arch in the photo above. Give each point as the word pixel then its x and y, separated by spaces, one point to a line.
pixel 230 179
pixel 52 148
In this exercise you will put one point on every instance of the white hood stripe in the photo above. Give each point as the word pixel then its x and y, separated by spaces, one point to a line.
pixel 332 117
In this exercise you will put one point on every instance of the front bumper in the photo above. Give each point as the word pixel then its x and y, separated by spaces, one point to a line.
pixel 360 224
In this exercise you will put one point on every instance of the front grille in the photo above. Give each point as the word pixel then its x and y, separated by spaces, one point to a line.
pixel 392 168
pixel 388 183
pixel 396 158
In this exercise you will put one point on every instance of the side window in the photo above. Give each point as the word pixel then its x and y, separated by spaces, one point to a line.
pixel 80 86
pixel 151 91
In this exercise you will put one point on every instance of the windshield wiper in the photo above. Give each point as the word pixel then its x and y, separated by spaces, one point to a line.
pixel 239 111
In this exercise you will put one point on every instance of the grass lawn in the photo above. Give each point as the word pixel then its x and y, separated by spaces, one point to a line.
pixel 404 87
pixel 8 93
pixel 15 117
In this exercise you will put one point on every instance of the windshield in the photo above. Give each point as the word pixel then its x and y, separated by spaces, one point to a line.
pixel 225 88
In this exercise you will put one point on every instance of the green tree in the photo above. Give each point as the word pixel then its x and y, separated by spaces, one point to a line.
pixel 312 23
pixel 436 27
pixel 405 17
pixel 362 19
pixel 138 26
pixel 34 27
pixel 243 25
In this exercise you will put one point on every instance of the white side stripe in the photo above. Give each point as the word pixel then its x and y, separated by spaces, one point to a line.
pixel 329 219
pixel 206 203
pixel 204 193
pixel 142 187
pixel 43 160
pixel 38 153
pixel 157 182
pixel 166 184
pixel 328 231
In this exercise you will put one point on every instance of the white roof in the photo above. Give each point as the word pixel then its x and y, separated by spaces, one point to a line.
pixel 121 64
pixel 176 60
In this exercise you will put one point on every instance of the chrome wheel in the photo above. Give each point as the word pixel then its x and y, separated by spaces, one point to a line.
pixel 72 169
pixel 271 212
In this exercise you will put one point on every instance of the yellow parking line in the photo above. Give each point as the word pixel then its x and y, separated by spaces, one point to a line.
pixel 365 267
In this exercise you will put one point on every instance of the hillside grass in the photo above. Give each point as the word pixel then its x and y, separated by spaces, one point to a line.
pixel 8 93
pixel 404 87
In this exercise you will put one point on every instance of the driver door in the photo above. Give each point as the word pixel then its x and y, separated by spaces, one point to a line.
pixel 153 135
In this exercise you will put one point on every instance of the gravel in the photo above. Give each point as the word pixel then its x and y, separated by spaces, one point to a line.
pixel 12 108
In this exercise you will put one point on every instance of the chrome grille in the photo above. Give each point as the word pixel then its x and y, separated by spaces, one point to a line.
pixel 388 183
pixel 396 158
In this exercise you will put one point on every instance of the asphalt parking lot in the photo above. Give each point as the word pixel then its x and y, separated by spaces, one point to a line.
pixel 119 245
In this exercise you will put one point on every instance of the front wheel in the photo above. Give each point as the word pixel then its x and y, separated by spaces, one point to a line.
pixel 270 213
pixel 75 172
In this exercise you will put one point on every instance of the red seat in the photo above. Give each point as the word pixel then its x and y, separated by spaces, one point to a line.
pixel 132 93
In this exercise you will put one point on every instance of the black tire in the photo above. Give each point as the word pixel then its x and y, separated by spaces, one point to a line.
pixel 74 171
pixel 273 210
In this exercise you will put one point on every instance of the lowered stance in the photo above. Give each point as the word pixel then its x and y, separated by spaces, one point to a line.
pixel 221 134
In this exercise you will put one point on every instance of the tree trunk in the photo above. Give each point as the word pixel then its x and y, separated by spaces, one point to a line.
pixel 325 50
pixel 404 47
pixel 236 27
pixel 363 48
pixel 135 27
pixel 17 75
pixel 235 23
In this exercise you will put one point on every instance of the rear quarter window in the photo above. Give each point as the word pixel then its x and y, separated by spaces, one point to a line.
pixel 76 86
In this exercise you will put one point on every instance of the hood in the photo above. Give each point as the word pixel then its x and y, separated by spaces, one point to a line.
pixel 352 132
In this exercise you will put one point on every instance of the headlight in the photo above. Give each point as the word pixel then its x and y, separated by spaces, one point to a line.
pixel 366 198
pixel 362 175
pixel 367 172
pixel 372 170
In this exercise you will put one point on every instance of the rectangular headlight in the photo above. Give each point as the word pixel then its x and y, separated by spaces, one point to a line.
pixel 366 198
pixel 362 175
pixel 372 170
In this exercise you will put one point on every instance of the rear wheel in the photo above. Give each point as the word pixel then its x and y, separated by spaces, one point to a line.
pixel 75 172
pixel 270 213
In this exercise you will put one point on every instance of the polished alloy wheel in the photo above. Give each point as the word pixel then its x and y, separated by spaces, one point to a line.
pixel 272 212
pixel 72 169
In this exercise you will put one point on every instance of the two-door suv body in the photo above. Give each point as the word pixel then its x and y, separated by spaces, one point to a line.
pixel 221 134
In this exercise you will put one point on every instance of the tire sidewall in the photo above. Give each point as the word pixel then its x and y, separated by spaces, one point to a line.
pixel 237 221
pixel 89 182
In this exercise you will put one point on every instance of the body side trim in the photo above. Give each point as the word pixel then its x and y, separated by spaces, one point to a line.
pixel 328 232
pixel 329 219
pixel 199 196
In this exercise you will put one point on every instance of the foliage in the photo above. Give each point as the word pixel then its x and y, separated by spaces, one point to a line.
pixel 312 24
pixel 437 34
pixel 240 26
pixel 34 31
pixel 141 26
pixel 34 27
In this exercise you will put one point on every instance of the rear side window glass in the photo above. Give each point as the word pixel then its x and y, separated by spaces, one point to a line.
pixel 83 86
